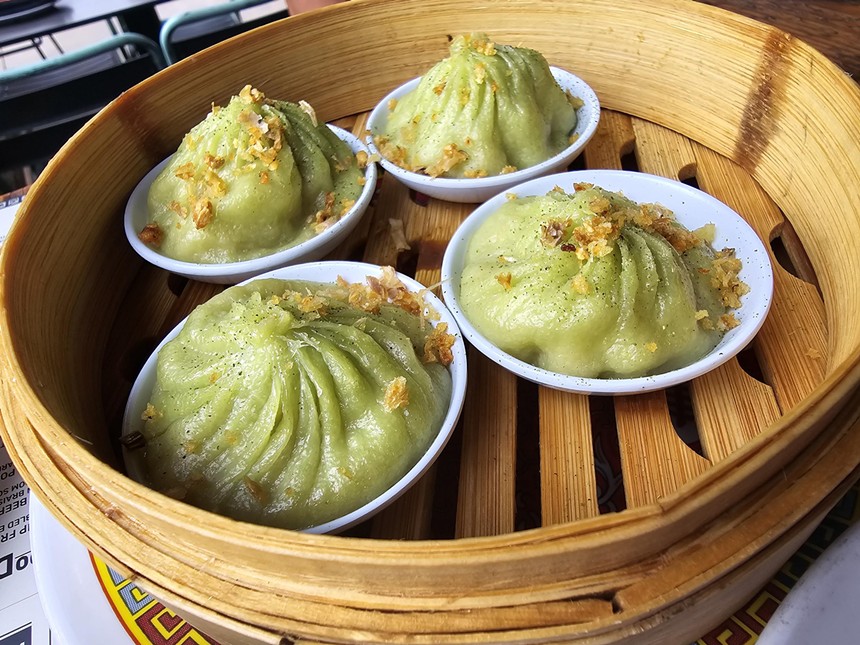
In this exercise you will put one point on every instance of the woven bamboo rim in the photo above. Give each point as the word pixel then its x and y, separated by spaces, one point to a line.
pixel 672 564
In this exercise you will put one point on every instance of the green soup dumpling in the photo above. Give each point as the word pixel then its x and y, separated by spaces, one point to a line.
pixel 293 403
pixel 487 109
pixel 592 284
pixel 254 177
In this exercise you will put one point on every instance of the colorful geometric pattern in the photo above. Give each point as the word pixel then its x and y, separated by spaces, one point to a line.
pixel 146 620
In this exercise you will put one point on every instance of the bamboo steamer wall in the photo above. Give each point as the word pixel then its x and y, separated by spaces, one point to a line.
pixel 763 121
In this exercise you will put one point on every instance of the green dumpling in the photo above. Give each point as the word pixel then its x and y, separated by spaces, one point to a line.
pixel 254 177
pixel 591 284
pixel 487 109
pixel 293 403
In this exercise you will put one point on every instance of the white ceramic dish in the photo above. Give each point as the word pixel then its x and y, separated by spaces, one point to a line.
pixel 693 208
pixel 74 603
pixel 329 272
pixel 822 606
pixel 482 188
pixel 136 217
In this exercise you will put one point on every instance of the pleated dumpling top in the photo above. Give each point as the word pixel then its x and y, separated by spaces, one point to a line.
pixel 487 109
pixel 592 284
pixel 293 403
pixel 254 177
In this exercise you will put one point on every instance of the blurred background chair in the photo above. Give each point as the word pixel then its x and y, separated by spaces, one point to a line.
pixel 13 10
pixel 191 31
pixel 32 43
pixel 45 103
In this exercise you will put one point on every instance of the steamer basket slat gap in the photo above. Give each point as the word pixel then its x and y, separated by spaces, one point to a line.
pixel 507 539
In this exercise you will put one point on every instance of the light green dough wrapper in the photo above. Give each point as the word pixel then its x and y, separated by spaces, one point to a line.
pixel 540 284
pixel 279 403
pixel 485 110
pixel 254 177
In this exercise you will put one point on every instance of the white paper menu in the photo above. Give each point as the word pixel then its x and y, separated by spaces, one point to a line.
pixel 22 621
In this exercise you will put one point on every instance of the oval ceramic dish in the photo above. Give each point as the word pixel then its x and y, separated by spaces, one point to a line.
pixel 328 272
pixel 137 216
pixel 693 208
pixel 482 188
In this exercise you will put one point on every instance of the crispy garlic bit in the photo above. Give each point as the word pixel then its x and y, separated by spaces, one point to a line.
pixel 152 235
pixel 437 349
pixel 389 289
pixel 575 101
pixel 504 279
pixel 392 290
pixel 398 234
pixel 482 45
pixel 465 95
pixel 595 236
pixel 553 232
pixel 249 95
pixel 185 171
pixel 150 413
pixel 204 185
pixel 707 233
pixel 202 213
pixel 581 285
pixel 480 73
pixel 724 278
pixel 311 304
pixel 214 162
pixel 451 156
pixel 308 109
pixel 361 158
pixel 265 140
pixel 178 208
pixel 396 395
pixel 727 321
pixel 386 289
pixel 325 217
pixel 394 153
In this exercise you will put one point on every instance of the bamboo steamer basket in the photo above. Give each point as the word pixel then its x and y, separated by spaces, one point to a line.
pixel 503 541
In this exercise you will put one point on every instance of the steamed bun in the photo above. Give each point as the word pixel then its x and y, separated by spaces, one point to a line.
pixel 486 109
pixel 592 284
pixel 254 177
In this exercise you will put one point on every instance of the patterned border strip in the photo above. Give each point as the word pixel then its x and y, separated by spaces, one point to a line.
pixel 146 620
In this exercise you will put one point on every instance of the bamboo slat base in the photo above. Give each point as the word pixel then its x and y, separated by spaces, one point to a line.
pixel 509 537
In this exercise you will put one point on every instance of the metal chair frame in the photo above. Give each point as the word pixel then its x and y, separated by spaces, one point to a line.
pixel 36 118
pixel 118 41
pixel 169 27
